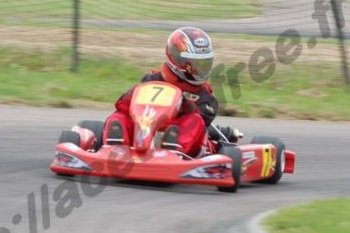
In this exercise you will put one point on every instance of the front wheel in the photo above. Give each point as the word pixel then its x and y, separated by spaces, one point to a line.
pixel 236 155
pixel 280 160
pixel 69 136
pixel 97 128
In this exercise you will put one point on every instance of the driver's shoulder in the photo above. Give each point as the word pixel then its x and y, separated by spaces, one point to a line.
pixel 153 75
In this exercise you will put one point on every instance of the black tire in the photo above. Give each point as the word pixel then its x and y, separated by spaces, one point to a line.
pixel 280 147
pixel 97 128
pixel 236 155
pixel 69 136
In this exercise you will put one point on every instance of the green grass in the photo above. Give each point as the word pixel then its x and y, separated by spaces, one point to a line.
pixel 38 79
pixel 327 216
pixel 51 11
pixel 301 90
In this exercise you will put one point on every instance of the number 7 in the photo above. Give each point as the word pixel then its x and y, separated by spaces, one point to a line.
pixel 159 90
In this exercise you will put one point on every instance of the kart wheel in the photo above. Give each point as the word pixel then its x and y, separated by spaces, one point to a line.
pixel 280 163
pixel 236 155
pixel 97 128
pixel 69 136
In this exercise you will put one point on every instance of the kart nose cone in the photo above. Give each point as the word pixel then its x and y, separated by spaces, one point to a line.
pixel 70 161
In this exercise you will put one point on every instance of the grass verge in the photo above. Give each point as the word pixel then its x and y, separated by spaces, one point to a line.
pixel 326 216
pixel 309 91
pixel 305 90
pixel 40 79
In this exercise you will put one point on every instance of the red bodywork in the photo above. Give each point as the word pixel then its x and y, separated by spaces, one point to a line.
pixel 153 105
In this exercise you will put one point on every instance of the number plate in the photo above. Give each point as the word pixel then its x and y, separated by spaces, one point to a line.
pixel 156 94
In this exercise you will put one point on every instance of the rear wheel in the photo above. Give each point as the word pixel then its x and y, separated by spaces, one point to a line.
pixel 236 155
pixel 97 128
pixel 280 161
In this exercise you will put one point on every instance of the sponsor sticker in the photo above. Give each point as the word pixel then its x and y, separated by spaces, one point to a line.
pixel 248 155
pixel 159 154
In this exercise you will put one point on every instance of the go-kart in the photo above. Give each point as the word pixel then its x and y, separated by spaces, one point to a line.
pixel 220 163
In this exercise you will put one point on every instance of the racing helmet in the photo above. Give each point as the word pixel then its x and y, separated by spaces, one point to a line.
pixel 190 55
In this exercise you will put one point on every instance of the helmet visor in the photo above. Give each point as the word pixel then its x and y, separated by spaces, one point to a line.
pixel 201 65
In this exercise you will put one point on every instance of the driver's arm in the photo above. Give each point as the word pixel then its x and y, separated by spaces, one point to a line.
pixel 208 108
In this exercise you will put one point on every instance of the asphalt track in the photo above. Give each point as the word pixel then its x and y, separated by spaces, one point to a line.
pixel 28 136
pixel 277 16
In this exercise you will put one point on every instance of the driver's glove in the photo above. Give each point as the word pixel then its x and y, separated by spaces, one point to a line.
pixel 188 106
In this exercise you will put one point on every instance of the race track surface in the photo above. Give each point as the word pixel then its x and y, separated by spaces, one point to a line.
pixel 276 17
pixel 27 140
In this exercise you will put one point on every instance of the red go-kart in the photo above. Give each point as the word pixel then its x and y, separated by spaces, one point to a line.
pixel 220 163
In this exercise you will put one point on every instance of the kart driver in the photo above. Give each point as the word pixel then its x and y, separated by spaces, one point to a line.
pixel 189 59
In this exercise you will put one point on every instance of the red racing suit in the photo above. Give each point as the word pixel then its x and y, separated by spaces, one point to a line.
pixel 197 112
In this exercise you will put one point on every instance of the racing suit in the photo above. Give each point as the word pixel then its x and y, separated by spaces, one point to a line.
pixel 197 112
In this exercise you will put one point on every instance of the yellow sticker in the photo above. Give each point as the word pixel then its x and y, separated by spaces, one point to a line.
pixel 267 161
pixel 156 94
